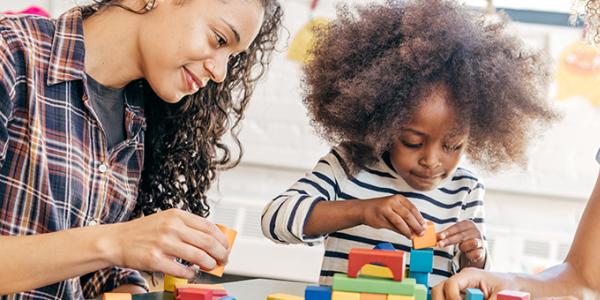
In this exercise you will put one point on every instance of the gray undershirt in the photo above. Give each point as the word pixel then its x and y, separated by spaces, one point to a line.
pixel 109 105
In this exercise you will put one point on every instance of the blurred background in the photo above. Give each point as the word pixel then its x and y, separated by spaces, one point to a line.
pixel 532 213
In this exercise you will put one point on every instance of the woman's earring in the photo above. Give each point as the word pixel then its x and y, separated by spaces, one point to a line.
pixel 149 5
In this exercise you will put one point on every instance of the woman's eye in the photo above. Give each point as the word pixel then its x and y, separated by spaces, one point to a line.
pixel 221 41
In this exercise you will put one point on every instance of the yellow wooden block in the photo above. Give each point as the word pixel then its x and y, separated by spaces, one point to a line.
pixel 429 240
pixel 281 296
pixel 337 295
pixel 400 297
pixel 376 271
pixel 366 296
pixel 116 296
pixel 171 282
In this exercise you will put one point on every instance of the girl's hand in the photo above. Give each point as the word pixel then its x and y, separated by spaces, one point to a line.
pixel 469 239
pixel 393 212
pixel 153 243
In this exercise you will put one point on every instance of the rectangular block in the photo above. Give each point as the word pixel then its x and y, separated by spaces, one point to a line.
pixel 385 246
pixel 400 297
pixel 394 260
pixel 171 281
pixel 376 271
pixel 317 293
pixel 230 234
pixel 116 296
pixel 341 282
pixel 369 296
pixel 339 295
pixel 421 278
pixel 421 292
pixel 194 294
pixel 421 260
pixel 512 295
pixel 474 294
pixel 282 296
pixel 429 240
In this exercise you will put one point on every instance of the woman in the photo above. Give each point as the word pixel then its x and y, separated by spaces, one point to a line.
pixel 89 99
pixel 579 276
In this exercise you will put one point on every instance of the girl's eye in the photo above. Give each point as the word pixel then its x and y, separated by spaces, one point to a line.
pixel 452 148
pixel 409 145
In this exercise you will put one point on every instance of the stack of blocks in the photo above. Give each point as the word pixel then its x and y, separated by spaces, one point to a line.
pixel 186 291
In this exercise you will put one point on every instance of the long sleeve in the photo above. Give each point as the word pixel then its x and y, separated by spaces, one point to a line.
pixel 284 217
pixel 473 209
pixel 8 79
pixel 108 279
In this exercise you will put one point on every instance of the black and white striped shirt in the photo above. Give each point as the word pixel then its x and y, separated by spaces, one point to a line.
pixel 457 198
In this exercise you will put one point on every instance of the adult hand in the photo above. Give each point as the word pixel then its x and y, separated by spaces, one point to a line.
pixel 154 242
pixel 488 282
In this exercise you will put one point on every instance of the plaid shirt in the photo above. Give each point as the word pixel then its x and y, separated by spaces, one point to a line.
pixel 55 170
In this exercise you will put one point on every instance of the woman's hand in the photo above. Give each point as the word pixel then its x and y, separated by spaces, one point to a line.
pixel 489 283
pixel 154 242
pixel 395 213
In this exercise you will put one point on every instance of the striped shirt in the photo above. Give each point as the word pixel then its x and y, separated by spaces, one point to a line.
pixel 457 198
pixel 55 170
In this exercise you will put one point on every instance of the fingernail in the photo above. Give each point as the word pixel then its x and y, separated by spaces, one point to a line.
pixel 441 244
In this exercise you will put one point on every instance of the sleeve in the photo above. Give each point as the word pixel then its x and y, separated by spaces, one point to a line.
pixel 283 219
pixel 473 209
pixel 108 279
pixel 598 156
pixel 8 75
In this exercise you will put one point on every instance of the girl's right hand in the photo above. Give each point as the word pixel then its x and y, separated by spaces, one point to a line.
pixel 395 213
pixel 154 242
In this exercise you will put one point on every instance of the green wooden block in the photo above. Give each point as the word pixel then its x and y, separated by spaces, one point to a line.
pixel 420 292
pixel 341 282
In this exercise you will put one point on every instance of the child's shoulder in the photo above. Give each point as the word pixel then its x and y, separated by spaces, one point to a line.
pixel 465 178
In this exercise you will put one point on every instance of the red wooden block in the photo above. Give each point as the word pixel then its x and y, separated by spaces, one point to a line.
pixel 394 260
pixel 194 294
pixel 512 295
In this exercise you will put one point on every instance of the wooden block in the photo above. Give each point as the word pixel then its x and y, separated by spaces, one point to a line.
pixel 200 286
pixel 116 296
pixel 341 282
pixel 421 292
pixel 512 295
pixel 171 281
pixel 215 293
pixel 369 296
pixel 230 234
pixel 421 261
pixel 339 295
pixel 358 257
pixel 317 293
pixel 474 294
pixel 421 278
pixel 385 246
pixel 227 298
pixel 281 296
pixel 376 271
pixel 429 240
pixel 400 297
pixel 194 294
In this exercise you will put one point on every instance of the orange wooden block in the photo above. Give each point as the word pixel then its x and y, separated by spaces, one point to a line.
pixel 365 296
pixel 394 260
pixel 429 240
pixel 230 234
pixel 116 296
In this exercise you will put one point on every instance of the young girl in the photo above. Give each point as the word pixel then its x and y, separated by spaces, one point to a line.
pixel 405 89
pixel 90 98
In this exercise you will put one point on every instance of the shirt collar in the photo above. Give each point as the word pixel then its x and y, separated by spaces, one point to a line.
pixel 68 50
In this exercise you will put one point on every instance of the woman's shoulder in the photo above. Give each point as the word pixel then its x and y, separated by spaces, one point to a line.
pixel 22 33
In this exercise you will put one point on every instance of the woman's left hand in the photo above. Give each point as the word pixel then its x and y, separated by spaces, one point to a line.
pixel 469 239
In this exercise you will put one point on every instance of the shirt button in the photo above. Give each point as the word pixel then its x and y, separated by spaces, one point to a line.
pixel 102 168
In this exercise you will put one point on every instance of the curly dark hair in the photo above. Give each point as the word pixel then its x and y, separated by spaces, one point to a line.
pixel 369 68
pixel 184 147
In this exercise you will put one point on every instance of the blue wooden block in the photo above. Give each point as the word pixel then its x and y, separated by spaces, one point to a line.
pixel 227 298
pixel 385 246
pixel 421 260
pixel 421 278
pixel 474 294
pixel 429 294
pixel 317 293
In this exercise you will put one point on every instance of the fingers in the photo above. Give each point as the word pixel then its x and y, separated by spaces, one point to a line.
pixel 207 243
pixel 168 265
pixel 410 214
pixel 193 255
pixel 202 224
pixel 398 224
pixel 475 255
pixel 458 233
pixel 470 245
